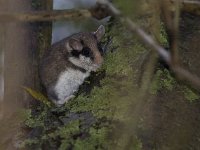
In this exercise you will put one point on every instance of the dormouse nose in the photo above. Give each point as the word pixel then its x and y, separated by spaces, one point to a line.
pixel 98 59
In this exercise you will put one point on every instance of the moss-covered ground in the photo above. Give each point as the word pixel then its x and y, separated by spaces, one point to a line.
pixel 99 116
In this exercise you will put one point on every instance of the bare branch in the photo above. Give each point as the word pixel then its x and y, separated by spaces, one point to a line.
pixel 190 2
pixel 190 6
pixel 183 74
pixel 175 32
pixel 44 15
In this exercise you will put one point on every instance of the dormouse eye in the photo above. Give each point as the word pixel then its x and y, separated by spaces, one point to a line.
pixel 75 53
pixel 86 52
pixel 82 42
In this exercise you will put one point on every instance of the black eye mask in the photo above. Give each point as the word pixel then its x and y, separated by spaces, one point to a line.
pixel 75 53
pixel 86 51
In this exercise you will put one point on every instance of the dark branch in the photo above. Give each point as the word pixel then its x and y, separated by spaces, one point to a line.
pixel 44 15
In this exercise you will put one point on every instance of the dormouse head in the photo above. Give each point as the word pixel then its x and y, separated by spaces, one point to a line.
pixel 83 49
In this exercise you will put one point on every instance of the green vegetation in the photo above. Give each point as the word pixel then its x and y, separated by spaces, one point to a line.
pixel 162 81
pixel 89 120
pixel 92 119
pixel 189 94
pixel 127 6
pixel 163 36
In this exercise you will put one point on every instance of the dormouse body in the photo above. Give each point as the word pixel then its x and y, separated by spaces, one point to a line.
pixel 68 62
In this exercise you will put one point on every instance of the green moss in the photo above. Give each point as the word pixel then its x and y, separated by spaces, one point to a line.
pixel 189 94
pixel 66 133
pixel 35 121
pixel 96 140
pixel 162 81
pixel 128 7
pixel 28 142
pixel 163 36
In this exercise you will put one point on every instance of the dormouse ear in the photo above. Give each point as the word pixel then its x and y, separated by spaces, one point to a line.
pixel 100 32
pixel 74 44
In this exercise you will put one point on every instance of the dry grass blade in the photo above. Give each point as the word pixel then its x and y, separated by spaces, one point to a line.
pixel 38 96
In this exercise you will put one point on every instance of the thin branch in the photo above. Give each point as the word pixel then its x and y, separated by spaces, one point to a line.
pixel 183 74
pixel 147 39
pixel 190 6
pixel 174 33
pixel 44 15
pixel 190 2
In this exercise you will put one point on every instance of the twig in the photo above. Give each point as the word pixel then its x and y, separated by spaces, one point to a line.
pixel 183 74
pixel 189 2
pixel 147 39
pixel 175 32
pixel 44 15
pixel 189 6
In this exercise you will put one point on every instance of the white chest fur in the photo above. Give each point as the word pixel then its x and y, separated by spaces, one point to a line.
pixel 68 83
